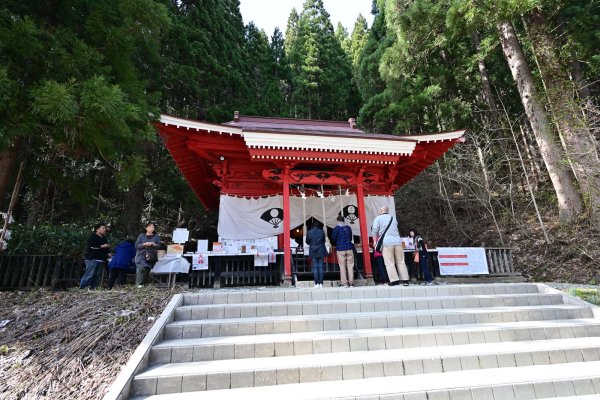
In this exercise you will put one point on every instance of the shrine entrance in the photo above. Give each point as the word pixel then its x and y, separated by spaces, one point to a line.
pixel 268 176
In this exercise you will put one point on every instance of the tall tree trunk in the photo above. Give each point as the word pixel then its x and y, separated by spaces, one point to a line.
pixel 130 221
pixel 500 124
pixel 8 160
pixel 487 198
pixel 569 199
pixel 580 144
pixel 578 78
pixel 536 170
pixel 486 87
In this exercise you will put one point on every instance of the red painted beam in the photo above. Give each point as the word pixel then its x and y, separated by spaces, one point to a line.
pixel 287 252
pixel 305 156
pixel 364 234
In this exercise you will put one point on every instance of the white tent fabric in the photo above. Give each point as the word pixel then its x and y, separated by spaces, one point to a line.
pixel 256 218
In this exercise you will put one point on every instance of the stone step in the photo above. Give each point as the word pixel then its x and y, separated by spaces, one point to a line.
pixel 531 382
pixel 275 345
pixel 367 320
pixel 312 294
pixel 249 310
pixel 216 375
pixel 582 397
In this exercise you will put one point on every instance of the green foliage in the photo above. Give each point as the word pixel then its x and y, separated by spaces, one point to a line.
pixel 358 39
pixel 590 295
pixel 321 71
pixel 341 34
pixel 78 80
pixel 55 102
pixel 263 74
pixel 472 14
pixel 67 239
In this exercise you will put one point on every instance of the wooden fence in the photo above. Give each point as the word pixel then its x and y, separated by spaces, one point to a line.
pixel 232 271
pixel 500 261
pixel 32 271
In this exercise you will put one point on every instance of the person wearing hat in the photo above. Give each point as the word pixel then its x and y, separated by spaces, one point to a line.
pixel 96 254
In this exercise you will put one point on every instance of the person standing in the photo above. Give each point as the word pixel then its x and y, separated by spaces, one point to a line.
pixel 380 267
pixel 122 260
pixel 393 254
pixel 317 250
pixel 342 238
pixel 96 254
pixel 420 256
pixel 145 257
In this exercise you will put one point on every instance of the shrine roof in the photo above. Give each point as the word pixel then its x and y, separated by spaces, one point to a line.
pixel 305 126
pixel 250 145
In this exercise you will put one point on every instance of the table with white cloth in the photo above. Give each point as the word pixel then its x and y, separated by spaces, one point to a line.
pixel 171 266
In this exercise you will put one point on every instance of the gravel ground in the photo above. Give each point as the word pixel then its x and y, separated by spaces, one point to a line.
pixel 562 286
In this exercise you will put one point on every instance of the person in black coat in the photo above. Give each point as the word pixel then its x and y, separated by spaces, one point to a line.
pixel 421 255
pixel 317 250
pixel 96 254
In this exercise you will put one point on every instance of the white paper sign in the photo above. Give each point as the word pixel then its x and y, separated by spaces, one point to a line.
pixel 261 260
pixel 202 247
pixel 200 262
pixel 408 243
pixel 462 261
pixel 180 235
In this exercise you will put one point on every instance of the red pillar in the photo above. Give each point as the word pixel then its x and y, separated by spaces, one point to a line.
pixel 364 231
pixel 287 251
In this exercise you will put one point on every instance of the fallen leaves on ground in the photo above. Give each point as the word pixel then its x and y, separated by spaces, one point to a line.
pixel 71 345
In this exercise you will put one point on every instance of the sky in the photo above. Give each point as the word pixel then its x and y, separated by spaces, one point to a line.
pixel 267 14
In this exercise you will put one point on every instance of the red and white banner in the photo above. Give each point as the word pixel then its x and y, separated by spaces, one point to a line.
pixel 462 261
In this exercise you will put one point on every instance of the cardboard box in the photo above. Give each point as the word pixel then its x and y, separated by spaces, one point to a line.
pixel 175 249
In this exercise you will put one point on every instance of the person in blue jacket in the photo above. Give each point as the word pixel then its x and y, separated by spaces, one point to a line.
pixel 122 261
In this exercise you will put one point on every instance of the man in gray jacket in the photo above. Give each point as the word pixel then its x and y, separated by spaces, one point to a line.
pixel 393 253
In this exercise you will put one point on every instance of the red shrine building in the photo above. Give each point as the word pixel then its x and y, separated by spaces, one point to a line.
pixel 280 171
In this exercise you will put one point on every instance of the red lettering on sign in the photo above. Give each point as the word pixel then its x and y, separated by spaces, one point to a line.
pixel 454 264
pixel 453 256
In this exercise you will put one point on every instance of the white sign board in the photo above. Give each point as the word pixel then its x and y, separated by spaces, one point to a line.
pixel 408 243
pixel 261 260
pixel 202 246
pixel 462 261
pixel 200 262
pixel 180 235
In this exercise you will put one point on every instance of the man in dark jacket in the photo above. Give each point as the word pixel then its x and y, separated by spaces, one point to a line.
pixel 315 239
pixel 96 254
pixel 342 239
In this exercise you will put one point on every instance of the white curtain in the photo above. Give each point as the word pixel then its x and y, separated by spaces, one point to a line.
pixel 243 218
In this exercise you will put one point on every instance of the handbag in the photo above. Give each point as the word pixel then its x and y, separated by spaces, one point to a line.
pixel 416 257
pixel 379 244
pixel 151 256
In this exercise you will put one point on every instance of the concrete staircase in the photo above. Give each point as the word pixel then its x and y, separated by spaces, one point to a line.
pixel 493 341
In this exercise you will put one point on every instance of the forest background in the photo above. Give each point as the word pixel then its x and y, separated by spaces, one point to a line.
pixel 82 80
